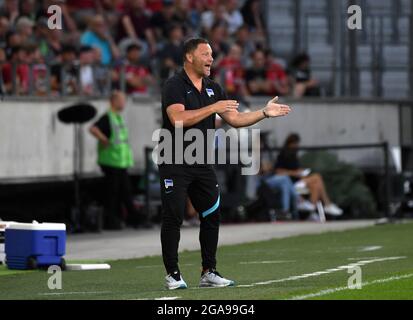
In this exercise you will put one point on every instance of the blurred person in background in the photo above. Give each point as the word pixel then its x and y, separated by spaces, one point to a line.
pixel 19 62
pixel 2 61
pixel 87 59
pixel 49 41
pixel 234 16
pixel 81 11
pixel 27 8
pixel 230 73
pixel 183 16
pixel 302 81
pixel 64 74
pixel 216 15
pixel 217 39
pixel 115 157
pixel 138 77
pixel 10 9
pixel 277 75
pixel 163 19
pixel 257 76
pixel 98 36
pixel 4 28
pixel 253 17
pixel 38 67
pixel 288 164
pixel 172 53
pixel 24 28
pixel 284 185
pixel 244 40
pixel 13 40
pixel 135 24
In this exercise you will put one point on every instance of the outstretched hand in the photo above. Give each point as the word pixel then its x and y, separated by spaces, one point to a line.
pixel 273 109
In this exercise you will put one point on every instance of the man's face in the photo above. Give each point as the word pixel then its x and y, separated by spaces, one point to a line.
pixel 259 60
pixel 119 102
pixel 68 56
pixel 201 60
pixel 134 55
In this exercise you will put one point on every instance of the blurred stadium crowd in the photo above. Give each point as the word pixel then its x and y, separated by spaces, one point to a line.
pixel 135 45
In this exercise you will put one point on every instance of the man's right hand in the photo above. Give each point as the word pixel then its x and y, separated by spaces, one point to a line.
pixel 225 105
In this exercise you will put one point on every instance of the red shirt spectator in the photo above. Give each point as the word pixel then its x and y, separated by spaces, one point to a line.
pixel 81 4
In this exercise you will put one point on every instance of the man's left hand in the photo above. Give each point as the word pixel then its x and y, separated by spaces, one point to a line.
pixel 273 109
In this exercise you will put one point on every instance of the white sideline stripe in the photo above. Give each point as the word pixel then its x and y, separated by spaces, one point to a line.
pixel 161 265
pixel 333 290
pixel 370 248
pixel 161 298
pixel 317 273
pixel 267 262
pixel 68 293
pixel 358 258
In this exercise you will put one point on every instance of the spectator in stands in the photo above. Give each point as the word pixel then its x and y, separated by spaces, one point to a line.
pixel 217 16
pixel 13 40
pixel 183 16
pixel 81 11
pixel 138 77
pixel 253 17
pixel 303 83
pixel 257 77
pixel 277 75
pixel 98 36
pixel 234 16
pixel 2 62
pixel 172 53
pixel 162 20
pixel 20 62
pixel 52 46
pixel 87 59
pixel 38 67
pixel 195 15
pixel 24 28
pixel 64 75
pixel 115 157
pixel 155 6
pixel 231 74
pixel 135 24
pixel 288 164
pixel 244 40
pixel 27 8
pixel 10 9
pixel 4 28
pixel 217 39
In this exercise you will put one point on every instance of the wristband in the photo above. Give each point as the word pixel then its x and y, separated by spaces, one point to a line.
pixel 265 114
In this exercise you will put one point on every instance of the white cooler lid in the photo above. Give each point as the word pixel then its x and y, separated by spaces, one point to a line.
pixel 37 226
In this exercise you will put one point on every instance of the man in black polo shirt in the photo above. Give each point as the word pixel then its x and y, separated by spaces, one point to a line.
pixel 191 100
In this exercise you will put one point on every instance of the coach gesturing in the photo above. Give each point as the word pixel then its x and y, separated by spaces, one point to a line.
pixel 190 99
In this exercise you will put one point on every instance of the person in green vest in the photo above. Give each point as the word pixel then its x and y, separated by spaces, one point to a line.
pixel 114 158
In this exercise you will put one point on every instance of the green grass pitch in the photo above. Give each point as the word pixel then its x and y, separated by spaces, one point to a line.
pixel 301 267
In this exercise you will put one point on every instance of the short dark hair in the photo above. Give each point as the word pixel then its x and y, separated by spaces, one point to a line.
pixel 133 46
pixel 291 138
pixel 192 44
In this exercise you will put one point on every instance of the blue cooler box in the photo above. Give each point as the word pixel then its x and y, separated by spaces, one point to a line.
pixel 32 245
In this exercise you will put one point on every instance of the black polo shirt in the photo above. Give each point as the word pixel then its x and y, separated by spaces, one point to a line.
pixel 179 89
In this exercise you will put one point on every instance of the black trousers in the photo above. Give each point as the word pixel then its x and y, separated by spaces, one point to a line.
pixel 118 191
pixel 199 183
